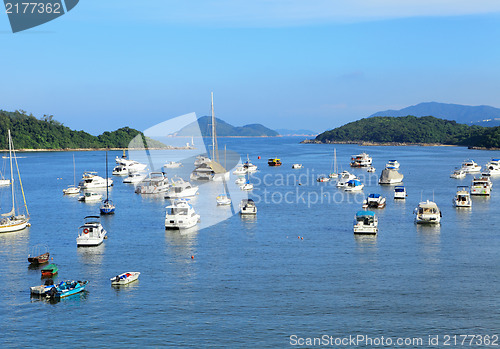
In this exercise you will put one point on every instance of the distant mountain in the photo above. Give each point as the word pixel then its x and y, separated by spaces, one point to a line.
pixel 301 132
pixel 482 115
pixel 224 129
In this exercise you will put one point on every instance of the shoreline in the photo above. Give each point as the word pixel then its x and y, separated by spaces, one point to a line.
pixel 28 150
pixel 396 144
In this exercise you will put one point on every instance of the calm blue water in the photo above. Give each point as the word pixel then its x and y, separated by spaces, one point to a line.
pixel 252 282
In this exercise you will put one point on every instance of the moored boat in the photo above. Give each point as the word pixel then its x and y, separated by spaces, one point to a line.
pixel 297 166
pixel 155 183
pixel 427 212
pixel 50 270
pixel 481 186
pixel 458 173
pixel 90 180
pixel 90 197
pixel 392 164
pixel 400 192
pixel 247 207
pixel 374 201
pixel 274 162
pixel 390 176
pixel 66 288
pixel 345 177
pixel 42 289
pixel 180 189
pixel 38 255
pixel 181 215
pixel 365 223
pixel 470 166
pixel 361 160
pixel 125 278
pixel 91 233
pixel 354 185
pixel 462 197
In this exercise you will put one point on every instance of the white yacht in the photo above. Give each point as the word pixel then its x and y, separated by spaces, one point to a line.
pixel 374 201
pixel 371 169
pixel 201 159
pixel 390 176
pixel 297 166
pixel 249 166
pixel 240 170
pixel 247 207
pixel 155 183
pixel 90 197
pixel 366 223
pixel 361 160
pixel 481 186
pixel 400 192
pixel 392 164
pixel 462 197
pixel 134 177
pixel 181 215
pixel 323 179
pixel 344 177
pixel 180 189
pixel 223 200
pixel 124 167
pixel 354 185
pixel 91 233
pixel 90 180
pixel 492 168
pixel 469 166
pixel 240 180
pixel 172 164
pixel 247 186
pixel 427 212
pixel 458 174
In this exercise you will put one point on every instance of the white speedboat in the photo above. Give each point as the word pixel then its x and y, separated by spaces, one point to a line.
pixel 90 197
pixel 134 177
pixel 361 160
pixel 172 164
pixel 247 186
pixel 458 173
pixel 427 212
pixel 247 207
pixel 462 197
pixel 201 159
pixel 181 215
pixel 240 180
pixel 366 223
pixel 492 168
pixel 223 200
pixel 180 189
pixel 90 180
pixel 354 185
pixel 71 190
pixel 297 166
pixel 249 166
pixel 390 176
pixel 344 177
pixel 91 233
pixel 155 183
pixel 469 166
pixel 125 278
pixel 374 201
pixel 371 169
pixel 323 179
pixel 392 164
pixel 481 186
pixel 124 167
pixel 400 192
pixel 240 170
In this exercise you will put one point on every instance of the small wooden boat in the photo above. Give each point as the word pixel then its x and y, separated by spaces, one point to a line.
pixel 125 278
pixel 39 254
pixel 50 270
pixel 66 289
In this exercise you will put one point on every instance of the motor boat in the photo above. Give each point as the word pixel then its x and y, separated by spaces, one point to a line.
pixel 172 164
pixel 400 192
pixel 181 215
pixel 274 162
pixel 247 186
pixel 323 179
pixel 124 167
pixel 247 207
pixel 91 233
pixel 462 197
pixel 458 173
pixel 125 278
pixel 89 196
pixel 134 177
pixel 201 159
pixel 374 201
pixel 361 160
pixel 297 166
pixel 66 288
pixel 469 166
pixel 209 171
pixel 155 183
pixel 371 169
pixel 240 170
pixel 492 168
pixel 249 166
pixel 390 176
pixel 481 186
pixel 354 185
pixel 90 180
pixel 427 212
pixel 223 200
pixel 333 175
pixel 71 190
pixel 345 177
pixel 180 189
pixel 392 164
pixel 365 223
pixel 240 180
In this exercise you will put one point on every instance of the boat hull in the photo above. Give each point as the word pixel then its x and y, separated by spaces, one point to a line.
pixel 8 228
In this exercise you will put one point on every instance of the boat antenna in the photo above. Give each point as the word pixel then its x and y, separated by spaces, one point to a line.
pixel 11 171
pixel 107 187
pixel 215 153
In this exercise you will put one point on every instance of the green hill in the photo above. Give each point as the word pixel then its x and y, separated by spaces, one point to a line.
pixel 412 129
pixel 28 132
pixel 224 129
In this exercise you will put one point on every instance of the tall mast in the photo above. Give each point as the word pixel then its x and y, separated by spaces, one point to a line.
pixel 74 171
pixel 107 190
pixel 11 171
pixel 213 128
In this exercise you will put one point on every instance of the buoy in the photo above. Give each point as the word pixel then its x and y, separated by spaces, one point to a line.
pixel 258 157
pixel 192 257
pixel 298 237
pixel 302 238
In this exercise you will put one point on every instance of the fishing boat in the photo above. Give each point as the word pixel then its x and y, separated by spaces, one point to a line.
pixel 470 166
pixel 354 185
pixel 91 233
pixel 390 176
pixel 462 197
pixel 39 255
pixel 155 183
pixel 72 189
pixel 66 288
pixel 361 160
pixel 345 177
pixel 172 164
pixel 458 173
pixel 274 162
pixel 14 220
pixel 392 164
pixel 89 196
pixel 481 186
pixel 125 278
pixel 134 177
pixel 90 180
pixel 107 206
pixel 247 207
pixel 400 192
pixel 180 189
pixel 427 212
pixel 50 270
pixel 365 223
pixel 181 215
pixel 42 289
pixel 374 201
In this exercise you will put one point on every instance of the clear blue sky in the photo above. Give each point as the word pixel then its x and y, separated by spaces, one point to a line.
pixel 283 63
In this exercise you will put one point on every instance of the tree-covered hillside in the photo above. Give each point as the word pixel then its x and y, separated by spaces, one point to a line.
pixel 28 132
pixel 411 129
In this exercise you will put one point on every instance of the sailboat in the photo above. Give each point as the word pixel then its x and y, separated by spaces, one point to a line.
pixel 210 170
pixel 223 199
pixel 107 206
pixel 72 189
pixel 12 220
pixel 335 171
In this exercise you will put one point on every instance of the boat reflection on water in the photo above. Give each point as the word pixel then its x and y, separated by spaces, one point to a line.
pixel 429 238
pixel 366 246
pixel 91 254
